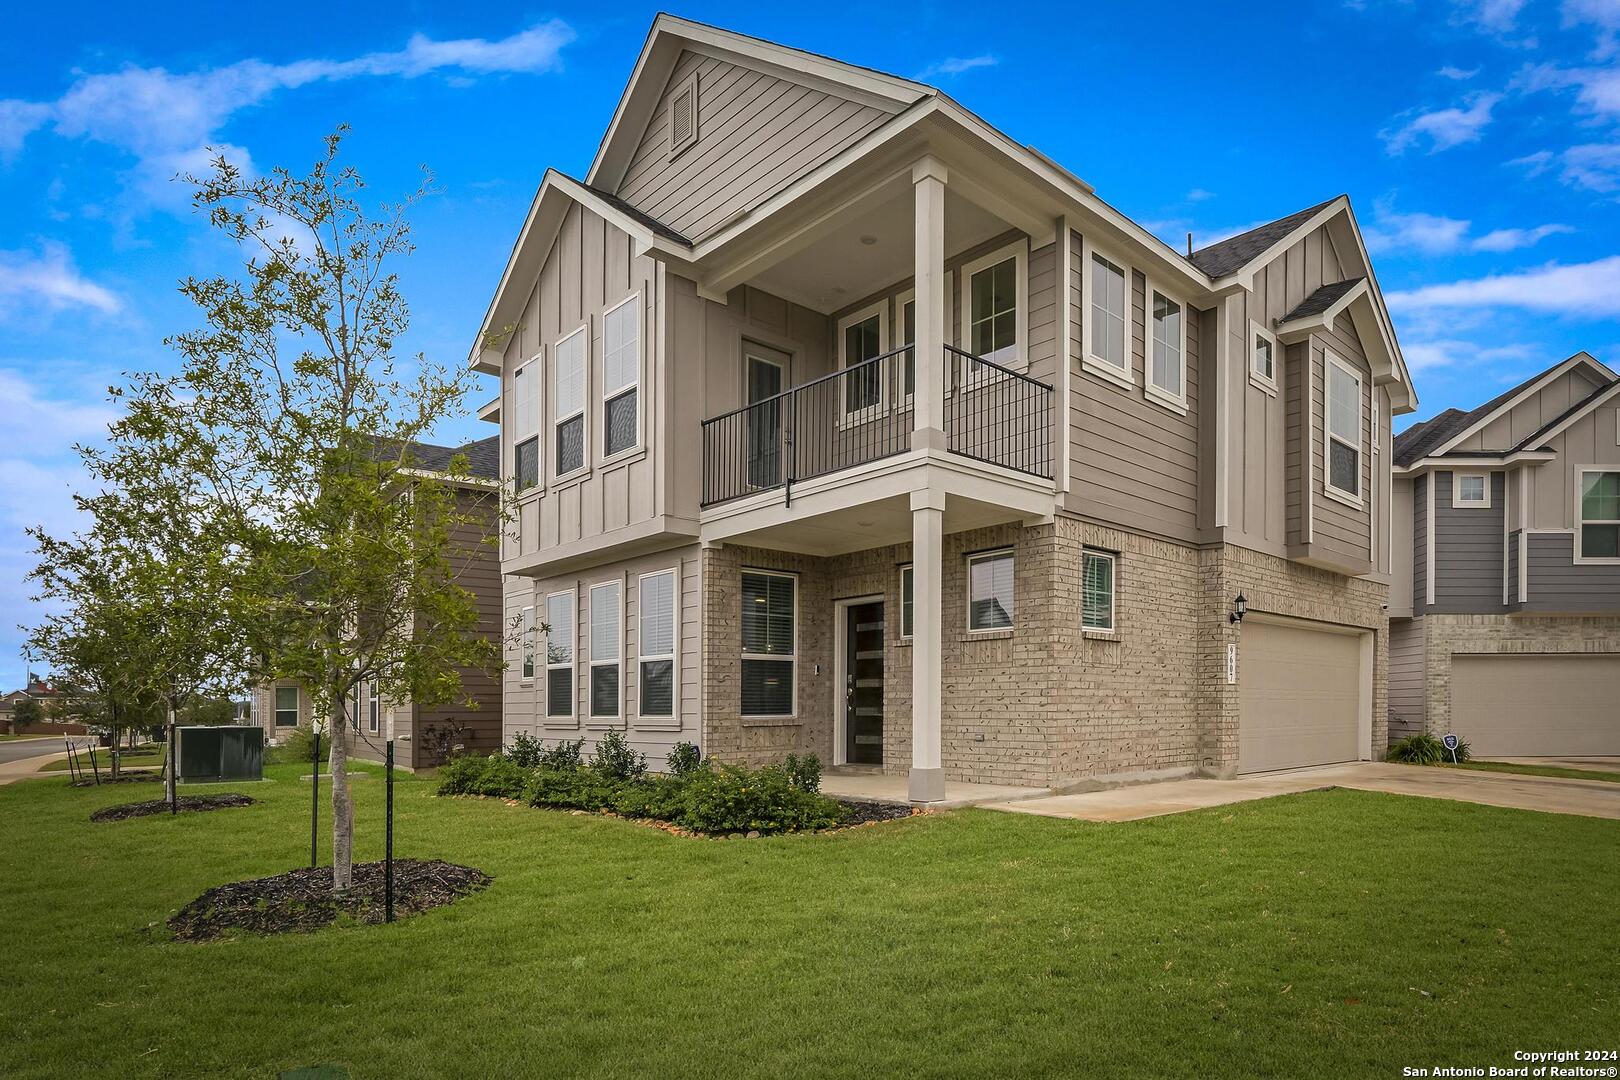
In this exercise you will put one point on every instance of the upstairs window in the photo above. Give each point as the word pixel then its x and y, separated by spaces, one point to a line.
pixel 560 654
pixel 1097 592
pixel 607 630
pixel 994 305
pixel 1600 515
pixel 1110 314
pixel 860 338
pixel 568 394
pixel 526 426
pixel 656 598
pixel 1471 490
pixel 1343 423
pixel 990 591
pixel 769 643
pixel 286 706
pixel 1167 374
pixel 621 376
pixel 1263 355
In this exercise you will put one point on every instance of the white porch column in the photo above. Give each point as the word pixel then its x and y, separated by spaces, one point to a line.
pixel 928 187
pixel 927 782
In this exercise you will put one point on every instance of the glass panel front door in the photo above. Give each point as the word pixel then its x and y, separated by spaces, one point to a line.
pixel 863 684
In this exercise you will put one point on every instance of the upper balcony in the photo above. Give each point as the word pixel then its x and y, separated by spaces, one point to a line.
pixel 864 413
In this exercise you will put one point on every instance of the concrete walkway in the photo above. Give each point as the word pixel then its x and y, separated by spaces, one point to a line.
pixel 1592 798
pixel 878 787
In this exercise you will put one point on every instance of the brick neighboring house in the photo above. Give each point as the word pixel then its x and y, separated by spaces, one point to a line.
pixel 1505 611
pixel 840 421
pixel 280 706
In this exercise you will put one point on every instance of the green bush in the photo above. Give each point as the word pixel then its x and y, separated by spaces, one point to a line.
pixel 525 750
pixel 615 760
pixel 569 789
pixel 457 775
pixel 297 747
pixel 1425 749
pixel 684 759
pixel 804 772
pixel 501 777
pixel 662 798
pixel 731 798
pixel 565 755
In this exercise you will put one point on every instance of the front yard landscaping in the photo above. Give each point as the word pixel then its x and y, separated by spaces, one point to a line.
pixel 1335 933
pixel 1524 769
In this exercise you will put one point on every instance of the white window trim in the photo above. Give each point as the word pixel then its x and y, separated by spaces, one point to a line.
pixel 898 326
pixel 535 366
pixel 573 657
pixel 793 687
pixel 1328 438
pixel 1018 251
pixel 1460 503
pixel 592 663
pixel 1089 361
pixel 677 149
pixel 900 597
pixel 527 654
pixel 1580 484
pixel 276 710
pixel 674 655
pixel 871 412
pixel 1152 390
pixel 584 404
pixel 373 709
pixel 1260 380
pixel 1112 630
pixel 967 591
pixel 609 393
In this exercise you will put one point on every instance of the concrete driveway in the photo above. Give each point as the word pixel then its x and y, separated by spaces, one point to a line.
pixel 1592 798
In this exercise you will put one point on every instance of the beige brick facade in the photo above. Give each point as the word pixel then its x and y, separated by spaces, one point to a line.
pixel 1042 704
pixel 1448 635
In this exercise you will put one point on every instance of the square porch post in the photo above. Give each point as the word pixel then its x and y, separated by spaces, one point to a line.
pixel 927 781
pixel 928 189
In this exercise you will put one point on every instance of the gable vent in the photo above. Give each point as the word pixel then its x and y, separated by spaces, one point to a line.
pixel 683 116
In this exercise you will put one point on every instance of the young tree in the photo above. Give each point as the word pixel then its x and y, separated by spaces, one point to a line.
pixel 296 420
pixel 26 711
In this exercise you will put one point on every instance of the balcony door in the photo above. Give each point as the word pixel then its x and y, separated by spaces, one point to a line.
pixel 765 376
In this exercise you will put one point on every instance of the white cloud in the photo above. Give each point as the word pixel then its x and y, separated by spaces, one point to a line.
pixel 956 65
pixel 1604 15
pixel 1433 234
pixel 1198 194
pixel 1498 16
pixel 1590 166
pixel 1514 239
pixel 1590 290
pixel 156 114
pixel 1452 353
pixel 1457 73
pixel 1443 128
pixel 50 280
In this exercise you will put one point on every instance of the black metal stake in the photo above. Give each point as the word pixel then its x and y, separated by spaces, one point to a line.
pixel 174 772
pixel 93 767
pixel 388 849
pixel 315 800
pixel 73 762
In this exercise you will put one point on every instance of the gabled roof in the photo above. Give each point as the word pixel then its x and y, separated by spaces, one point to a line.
pixel 1436 437
pixel 1234 253
pixel 483 456
pixel 1322 299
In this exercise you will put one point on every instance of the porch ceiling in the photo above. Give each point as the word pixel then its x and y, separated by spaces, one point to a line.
pixel 880 523
pixel 870 248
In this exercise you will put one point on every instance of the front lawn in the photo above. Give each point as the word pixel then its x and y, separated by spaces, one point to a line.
pixel 148 756
pixel 1536 770
pixel 1334 933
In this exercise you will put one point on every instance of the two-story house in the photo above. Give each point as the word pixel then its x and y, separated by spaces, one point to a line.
pixel 424 733
pixel 839 421
pixel 1505 608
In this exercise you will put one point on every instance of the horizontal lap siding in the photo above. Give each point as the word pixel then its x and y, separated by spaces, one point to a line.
pixel 1467 550
pixel 756 134
pixel 1136 463
pixel 1343 529
pixel 1420 542
pixel 1408 681
pixel 1558 583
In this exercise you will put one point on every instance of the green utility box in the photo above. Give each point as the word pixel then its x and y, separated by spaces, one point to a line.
pixel 211 755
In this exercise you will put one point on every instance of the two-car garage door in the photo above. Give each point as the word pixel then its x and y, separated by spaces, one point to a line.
pixel 1537 704
pixel 1304 690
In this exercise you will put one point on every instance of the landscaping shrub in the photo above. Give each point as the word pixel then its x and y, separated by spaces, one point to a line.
pixel 569 789
pixel 615 760
pixel 731 798
pixel 1424 749
pixel 501 777
pixel 684 759
pixel 565 755
pixel 659 797
pixel 804 772
pixel 295 748
pixel 525 750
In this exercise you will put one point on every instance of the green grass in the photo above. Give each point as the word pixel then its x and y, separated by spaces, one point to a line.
pixel 148 756
pixel 1287 937
pixel 1536 770
pixel 19 738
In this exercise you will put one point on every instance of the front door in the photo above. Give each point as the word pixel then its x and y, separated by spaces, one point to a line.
pixel 863 684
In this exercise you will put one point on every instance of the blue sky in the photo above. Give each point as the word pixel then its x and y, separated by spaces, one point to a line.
pixel 1479 141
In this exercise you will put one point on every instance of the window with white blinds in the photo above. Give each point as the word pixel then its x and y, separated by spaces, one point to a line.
pixel 286 706
pixel 990 591
pixel 1343 423
pixel 607 631
pixel 1097 591
pixel 568 397
pixel 621 374
pixel 769 643
pixel 560 654
pixel 1109 313
pixel 656 597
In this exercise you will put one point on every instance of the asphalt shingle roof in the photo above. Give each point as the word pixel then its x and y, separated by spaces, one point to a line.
pixel 1234 253
pixel 640 215
pixel 1322 299
pixel 483 456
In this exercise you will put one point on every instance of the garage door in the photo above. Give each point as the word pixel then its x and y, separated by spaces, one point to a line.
pixel 1301 693
pixel 1537 705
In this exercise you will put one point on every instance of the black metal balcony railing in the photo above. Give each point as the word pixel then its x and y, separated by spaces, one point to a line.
pixel 861 414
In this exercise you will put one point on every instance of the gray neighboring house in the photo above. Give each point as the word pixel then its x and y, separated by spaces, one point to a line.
pixel 281 706
pixel 1505 611
pixel 841 421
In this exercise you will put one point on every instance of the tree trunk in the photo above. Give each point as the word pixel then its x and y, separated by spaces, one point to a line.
pixel 169 752
pixel 342 802
pixel 113 742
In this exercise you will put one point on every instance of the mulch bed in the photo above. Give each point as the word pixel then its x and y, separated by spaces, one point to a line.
pixel 302 900
pixel 860 813
pixel 866 813
pixel 188 804
pixel 126 778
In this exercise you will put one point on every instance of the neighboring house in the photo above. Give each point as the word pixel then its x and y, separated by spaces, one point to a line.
pixel 1505 611
pixel 840 421
pixel 419 730
pixel 42 691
